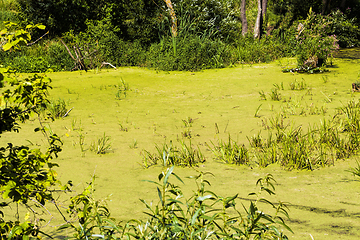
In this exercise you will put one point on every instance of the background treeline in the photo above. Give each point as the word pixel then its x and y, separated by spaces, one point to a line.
pixel 209 34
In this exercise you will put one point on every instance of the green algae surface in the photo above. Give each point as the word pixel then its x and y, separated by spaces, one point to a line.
pixel 324 203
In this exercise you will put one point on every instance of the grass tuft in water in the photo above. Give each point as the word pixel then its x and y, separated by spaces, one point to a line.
pixel 102 145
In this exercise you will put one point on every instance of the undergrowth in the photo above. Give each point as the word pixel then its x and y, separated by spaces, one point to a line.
pixel 203 215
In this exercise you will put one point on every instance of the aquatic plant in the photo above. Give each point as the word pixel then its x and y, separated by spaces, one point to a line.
pixel 184 155
pixel 102 145
pixel 230 152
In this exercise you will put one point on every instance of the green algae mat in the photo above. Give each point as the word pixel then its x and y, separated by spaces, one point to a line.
pixel 138 109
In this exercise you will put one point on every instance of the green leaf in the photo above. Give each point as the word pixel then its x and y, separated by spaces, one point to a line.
pixel 202 198
pixel 178 178
pixel 168 173
pixel 7 46
pixel 15 230
pixel 160 196
pixel 193 219
pixel 40 26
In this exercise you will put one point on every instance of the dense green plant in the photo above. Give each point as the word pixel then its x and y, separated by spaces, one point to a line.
pixel 249 50
pixel 102 145
pixel 192 53
pixel 57 108
pixel 206 215
pixel 27 176
pixel 29 64
pixel 184 155
pixel 230 152
pixel 57 57
pixel 90 218
pixel 345 29
pixel 314 45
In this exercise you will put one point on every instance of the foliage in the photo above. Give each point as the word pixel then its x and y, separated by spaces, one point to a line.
pixel 17 36
pixel 344 28
pixel 27 177
pixel 248 50
pixel 205 215
pixel 102 145
pixel 314 45
pixel 231 152
pixel 57 108
pixel 190 52
pixel 355 170
pixel 92 217
pixel 184 155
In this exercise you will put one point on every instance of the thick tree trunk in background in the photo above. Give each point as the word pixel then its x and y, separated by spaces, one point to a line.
pixel 264 9
pixel 243 17
pixel 325 6
pixel 260 18
pixel 343 5
pixel 173 17
pixel 257 28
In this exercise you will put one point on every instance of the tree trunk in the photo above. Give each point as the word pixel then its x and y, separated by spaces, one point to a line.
pixel 258 23
pixel 264 9
pixel 243 17
pixel 343 5
pixel 325 6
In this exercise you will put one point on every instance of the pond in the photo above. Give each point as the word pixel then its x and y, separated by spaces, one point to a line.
pixel 352 53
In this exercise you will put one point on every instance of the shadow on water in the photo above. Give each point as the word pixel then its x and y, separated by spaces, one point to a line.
pixel 350 53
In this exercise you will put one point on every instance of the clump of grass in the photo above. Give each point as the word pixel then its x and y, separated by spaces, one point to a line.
pixel 134 144
pixel 355 170
pixel 122 89
pixel 188 122
pixel 184 155
pixel 275 95
pixel 262 95
pixel 298 86
pixel 102 145
pixel 231 152
pixel 122 127
pixel 257 111
pixel 57 108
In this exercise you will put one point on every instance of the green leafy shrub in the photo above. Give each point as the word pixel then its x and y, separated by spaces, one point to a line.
pixel 184 155
pixel 205 215
pixel 314 45
pixel 29 64
pixel 346 30
pixel 250 50
pixel 57 57
pixel 231 152
pixel 190 53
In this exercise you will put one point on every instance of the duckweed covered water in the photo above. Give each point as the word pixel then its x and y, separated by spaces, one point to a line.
pixel 324 203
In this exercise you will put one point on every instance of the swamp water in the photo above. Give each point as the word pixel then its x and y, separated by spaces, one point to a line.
pixel 324 203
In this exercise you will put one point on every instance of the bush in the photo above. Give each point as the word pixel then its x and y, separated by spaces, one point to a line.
pixel 58 57
pixel 189 53
pixel 250 50
pixel 38 58
pixel 314 45
pixel 29 64
pixel 345 30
